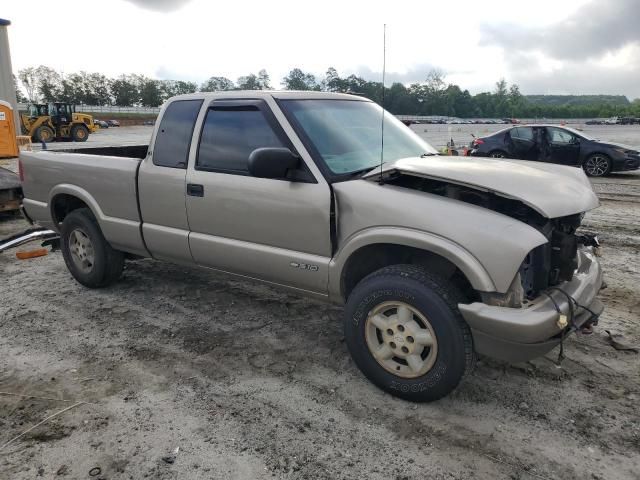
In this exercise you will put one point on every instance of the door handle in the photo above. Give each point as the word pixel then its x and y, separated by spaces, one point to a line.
pixel 195 190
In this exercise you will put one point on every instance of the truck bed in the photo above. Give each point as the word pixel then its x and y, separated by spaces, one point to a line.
pixel 103 178
pixel 127 151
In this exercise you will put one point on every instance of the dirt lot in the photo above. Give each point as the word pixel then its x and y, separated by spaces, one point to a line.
pixel 249 382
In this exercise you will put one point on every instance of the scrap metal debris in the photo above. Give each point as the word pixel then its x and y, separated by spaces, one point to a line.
pixel 40 423
pixel 170 459
pixel 618 342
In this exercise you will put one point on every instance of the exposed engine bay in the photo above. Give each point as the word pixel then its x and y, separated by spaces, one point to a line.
pixel 545 266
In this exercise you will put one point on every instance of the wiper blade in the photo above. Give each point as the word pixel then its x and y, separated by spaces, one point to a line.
pixel 363 171
pixel 428 155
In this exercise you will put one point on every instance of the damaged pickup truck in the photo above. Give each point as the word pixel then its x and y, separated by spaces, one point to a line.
pixel 436 259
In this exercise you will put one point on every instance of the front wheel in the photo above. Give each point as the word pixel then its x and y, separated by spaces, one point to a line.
pixel 43 134
pixel 597 165
pixel 405 333
pixel 79 133
pixel 87 254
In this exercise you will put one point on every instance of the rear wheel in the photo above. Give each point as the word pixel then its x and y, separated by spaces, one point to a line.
pixel 88 256
pixel 405 333
pixel 79 133
pixel 597 165
pixel 43 134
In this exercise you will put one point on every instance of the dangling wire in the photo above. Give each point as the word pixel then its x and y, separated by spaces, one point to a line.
pixel 559 312
pixel 573 303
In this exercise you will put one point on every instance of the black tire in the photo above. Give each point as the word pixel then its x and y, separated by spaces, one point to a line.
pixel 437 300
pixel 498 154
pixel 43 134
pixel 107 264
pixel 597 165
pixel 79 133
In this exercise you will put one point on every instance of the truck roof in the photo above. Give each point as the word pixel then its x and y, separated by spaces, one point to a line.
pixel 281 94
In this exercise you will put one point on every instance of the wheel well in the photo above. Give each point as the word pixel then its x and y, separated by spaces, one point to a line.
pixel 63 204
pixel 368 259
pixel 602 154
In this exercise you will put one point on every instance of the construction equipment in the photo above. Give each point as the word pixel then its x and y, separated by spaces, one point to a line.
pixel 56 121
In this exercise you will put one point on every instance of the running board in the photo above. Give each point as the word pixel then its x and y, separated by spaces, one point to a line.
pixel 30 235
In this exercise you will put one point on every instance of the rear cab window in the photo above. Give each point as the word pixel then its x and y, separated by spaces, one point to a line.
pixel 173 138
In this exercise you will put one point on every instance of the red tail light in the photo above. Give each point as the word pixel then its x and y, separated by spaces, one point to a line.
pixel 20 171
pixel 478 141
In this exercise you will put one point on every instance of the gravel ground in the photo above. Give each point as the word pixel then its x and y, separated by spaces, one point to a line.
pixel 248 382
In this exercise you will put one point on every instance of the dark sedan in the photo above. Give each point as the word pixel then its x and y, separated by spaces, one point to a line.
pixel 555 144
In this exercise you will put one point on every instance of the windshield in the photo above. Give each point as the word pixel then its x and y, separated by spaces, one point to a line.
pixel 347 133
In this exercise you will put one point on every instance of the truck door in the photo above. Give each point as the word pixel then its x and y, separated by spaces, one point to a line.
pixel 273 230
pixel 564 146
pixel 161 183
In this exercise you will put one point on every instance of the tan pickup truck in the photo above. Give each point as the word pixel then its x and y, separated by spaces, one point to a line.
pixel 436 259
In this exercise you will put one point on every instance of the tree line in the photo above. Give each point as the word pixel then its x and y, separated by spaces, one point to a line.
pixel 433 96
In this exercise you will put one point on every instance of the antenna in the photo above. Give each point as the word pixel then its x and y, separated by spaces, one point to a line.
pixel 384 69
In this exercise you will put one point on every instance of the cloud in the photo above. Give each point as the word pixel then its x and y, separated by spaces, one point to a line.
pixel 580 78
pixel 597 28
pixel 414 74
pixel 163 6
pixel 594 50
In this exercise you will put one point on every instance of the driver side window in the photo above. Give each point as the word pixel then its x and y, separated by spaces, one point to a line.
pixel 557 135
pixel 229 135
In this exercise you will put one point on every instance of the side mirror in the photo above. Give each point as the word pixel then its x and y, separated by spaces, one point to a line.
pixel 272 162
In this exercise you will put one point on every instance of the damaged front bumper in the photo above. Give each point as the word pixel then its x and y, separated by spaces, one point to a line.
pixel 521 334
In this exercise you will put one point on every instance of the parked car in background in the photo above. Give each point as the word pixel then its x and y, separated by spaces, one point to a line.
pixel 113 123
pixel 561 145
pixel 100 123
pixel 149 122
pixel 594 122
pixel 629 121
pixel 612 121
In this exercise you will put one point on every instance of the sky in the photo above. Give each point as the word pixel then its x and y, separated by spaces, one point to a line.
pixel 545 46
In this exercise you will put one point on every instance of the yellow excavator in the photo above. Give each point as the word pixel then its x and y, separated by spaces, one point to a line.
pixel 56 121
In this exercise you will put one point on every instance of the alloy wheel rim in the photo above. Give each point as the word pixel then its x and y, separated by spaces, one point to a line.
pixel 497 155
pixel 82 252
pixel 401 339
pixel 597 165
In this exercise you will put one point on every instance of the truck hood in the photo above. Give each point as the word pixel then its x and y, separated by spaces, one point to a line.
pixel 552 190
